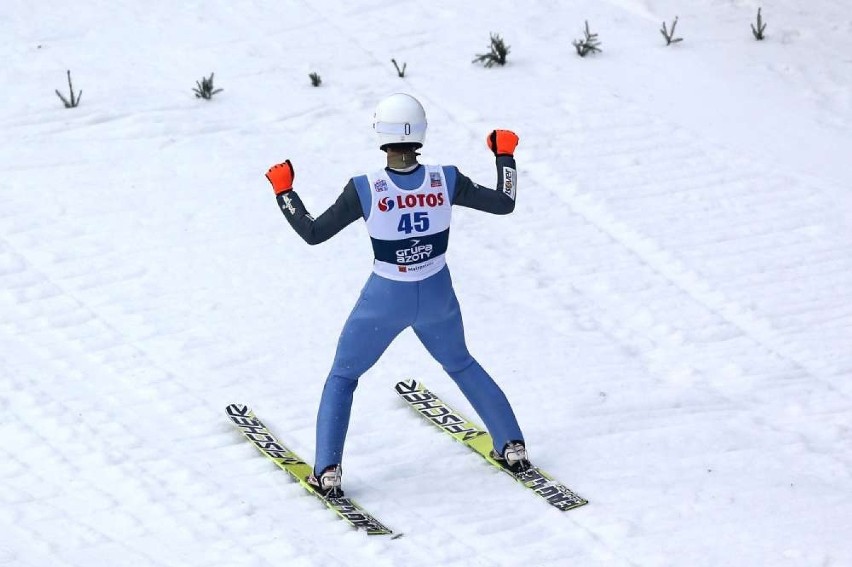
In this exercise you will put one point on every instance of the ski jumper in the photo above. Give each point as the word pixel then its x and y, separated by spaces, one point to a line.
pixel 408 219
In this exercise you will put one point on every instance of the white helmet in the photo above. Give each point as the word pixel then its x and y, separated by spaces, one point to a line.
pixel 400 119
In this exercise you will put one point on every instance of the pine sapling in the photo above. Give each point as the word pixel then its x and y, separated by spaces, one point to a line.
pixel 316 80
pixel 761 27
pixel 669 35
pixel 72 101
pixel 497 52
pixel 204 88
pixel 399 71
pixel 589 44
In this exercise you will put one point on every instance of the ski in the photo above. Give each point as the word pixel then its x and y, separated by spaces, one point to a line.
pixel 463 430
pixel 255 431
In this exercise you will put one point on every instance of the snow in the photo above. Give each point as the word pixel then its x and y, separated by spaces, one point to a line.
pixel 668 308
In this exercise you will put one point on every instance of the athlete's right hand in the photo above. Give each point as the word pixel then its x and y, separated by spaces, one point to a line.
pixel 281 177
pixel 502 142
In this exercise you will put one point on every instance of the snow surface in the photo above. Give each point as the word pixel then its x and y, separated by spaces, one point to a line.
pixel 669 308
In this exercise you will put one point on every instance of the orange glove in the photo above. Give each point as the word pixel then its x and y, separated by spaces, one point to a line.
pixel 502 142
pixel 281 176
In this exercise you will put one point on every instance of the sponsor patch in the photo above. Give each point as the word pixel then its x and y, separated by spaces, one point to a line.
pixel 509 182
pixel 380 185
pixel 435 179
pixel 421 200
pixel 386 204
pixel 416 252
pixel 287 203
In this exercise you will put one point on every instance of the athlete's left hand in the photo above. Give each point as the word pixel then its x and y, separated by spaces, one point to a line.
pixel 502 142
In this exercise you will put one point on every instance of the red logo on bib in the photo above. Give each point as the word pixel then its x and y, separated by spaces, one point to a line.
pixel 422 200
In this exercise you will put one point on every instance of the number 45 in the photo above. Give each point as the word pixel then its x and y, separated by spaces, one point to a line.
pixel 419 222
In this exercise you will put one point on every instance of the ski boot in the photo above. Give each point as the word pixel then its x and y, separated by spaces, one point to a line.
pixel 328 483
pixel 514 457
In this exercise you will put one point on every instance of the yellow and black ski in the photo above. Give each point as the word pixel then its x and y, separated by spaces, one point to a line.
pixel 463 430
pixel 255 431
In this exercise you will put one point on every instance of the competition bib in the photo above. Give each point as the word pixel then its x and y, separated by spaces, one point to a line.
pixel 409 229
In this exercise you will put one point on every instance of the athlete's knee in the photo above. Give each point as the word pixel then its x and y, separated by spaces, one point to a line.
pixel 450 352
pixel 340 383
pixel 351 364
pixel 459 367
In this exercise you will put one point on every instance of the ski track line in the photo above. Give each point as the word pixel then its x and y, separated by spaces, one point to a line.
pixel 667 264
pixel 699 289
pixel 696 287
pixel 96 453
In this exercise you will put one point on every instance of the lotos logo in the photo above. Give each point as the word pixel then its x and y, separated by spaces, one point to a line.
pixel 430 200
pixel 386 204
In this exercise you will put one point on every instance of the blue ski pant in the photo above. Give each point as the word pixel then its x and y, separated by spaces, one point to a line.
pixel 384 309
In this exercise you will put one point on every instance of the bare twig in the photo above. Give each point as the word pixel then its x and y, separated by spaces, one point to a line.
pixel 761 27
pixel 72 101
pixel 400 72
pixel 669 35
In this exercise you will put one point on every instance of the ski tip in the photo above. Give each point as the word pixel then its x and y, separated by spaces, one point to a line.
pixel 238 410
pixel 407 386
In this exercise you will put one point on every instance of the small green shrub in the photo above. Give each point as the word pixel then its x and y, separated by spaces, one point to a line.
pixel 204 88
pixel 589 44
pixel 497 52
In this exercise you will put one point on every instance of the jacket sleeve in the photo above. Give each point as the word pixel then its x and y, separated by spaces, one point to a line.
pixel 344 211
pixel 499 201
